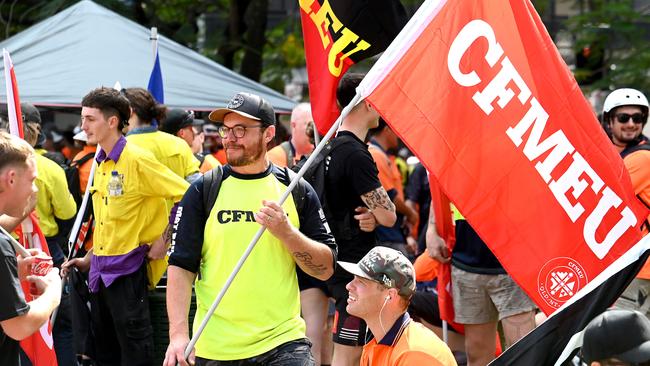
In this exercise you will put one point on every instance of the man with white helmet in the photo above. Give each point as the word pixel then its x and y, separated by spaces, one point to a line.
pixel 625 113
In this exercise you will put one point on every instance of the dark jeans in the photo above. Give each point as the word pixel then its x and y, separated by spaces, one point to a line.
pixel 294 353
pixel 121 323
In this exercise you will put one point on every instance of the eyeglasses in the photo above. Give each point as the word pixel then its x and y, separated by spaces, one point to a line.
pixel 238 131
pixel 625 117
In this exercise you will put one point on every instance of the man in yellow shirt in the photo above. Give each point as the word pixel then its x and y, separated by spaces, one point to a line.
pixel 380 293
pixel 170 150
pixel 54 200
pixel 258 321
pixel 54 203
pixel 182 124
pixel 130 189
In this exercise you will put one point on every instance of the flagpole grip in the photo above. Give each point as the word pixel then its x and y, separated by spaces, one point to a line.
pixel 258 235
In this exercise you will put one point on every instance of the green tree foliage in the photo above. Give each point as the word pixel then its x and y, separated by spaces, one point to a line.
pixel 612 45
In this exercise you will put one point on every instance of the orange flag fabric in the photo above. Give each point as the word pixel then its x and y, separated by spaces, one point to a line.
pixel 479 92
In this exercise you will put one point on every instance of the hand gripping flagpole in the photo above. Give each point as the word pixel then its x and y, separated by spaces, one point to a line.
pixel 258 235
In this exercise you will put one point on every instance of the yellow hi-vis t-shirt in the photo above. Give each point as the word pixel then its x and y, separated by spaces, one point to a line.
pixel 173 152
pixel 242 327
pixel 139 215
pixel 54 199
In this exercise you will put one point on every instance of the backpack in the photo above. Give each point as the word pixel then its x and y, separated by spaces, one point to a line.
pixel 72 177
pixel 345 228
pixel 212 183
pixel 318 169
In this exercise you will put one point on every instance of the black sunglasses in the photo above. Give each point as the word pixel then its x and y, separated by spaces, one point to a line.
pixel 625 117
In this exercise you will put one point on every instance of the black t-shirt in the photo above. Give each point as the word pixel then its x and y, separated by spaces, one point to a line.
pixel 351 173
pixel 13 300
pixel 189 227
pixel 418 191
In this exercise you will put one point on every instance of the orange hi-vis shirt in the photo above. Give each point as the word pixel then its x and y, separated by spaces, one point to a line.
pixel 407 343
pixel 84 169
pixel 638 166
pixel 389 174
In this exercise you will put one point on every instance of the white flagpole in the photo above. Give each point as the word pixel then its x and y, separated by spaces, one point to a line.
pixel 84 203
pixel 154 41
pixel 445 332
pixel 259 233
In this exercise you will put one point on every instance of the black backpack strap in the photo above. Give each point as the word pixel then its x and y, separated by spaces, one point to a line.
pixel 83 159
pixel 298 193
pixel 211 185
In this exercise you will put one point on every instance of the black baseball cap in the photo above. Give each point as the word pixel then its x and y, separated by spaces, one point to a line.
pixel 617 333
pixel 248 105
pixel 30 113
pixel 176 120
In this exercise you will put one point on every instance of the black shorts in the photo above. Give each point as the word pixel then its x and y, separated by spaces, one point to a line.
pixel 347 329
pixel 306 282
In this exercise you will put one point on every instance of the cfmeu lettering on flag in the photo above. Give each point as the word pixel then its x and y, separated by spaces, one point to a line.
pixel 331 29
pixel 558 146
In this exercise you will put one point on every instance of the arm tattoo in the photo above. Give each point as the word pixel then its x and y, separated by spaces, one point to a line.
pixel 305 259
pixel 167 236
pixel 378 199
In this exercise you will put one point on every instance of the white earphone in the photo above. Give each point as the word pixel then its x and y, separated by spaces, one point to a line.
pixel 388 298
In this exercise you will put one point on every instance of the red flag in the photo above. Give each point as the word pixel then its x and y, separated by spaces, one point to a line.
pixel 338 34
pixel 13 99
pixel 480 93
pixel 39 347
pixel 444 228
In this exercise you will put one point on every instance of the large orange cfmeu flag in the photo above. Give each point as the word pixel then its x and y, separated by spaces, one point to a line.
pixel 479 92
pixel 337 34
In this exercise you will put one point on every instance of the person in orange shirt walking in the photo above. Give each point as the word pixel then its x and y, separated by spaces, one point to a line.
pixel 625 113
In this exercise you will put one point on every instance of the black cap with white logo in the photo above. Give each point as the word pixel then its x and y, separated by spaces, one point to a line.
pixel 248 105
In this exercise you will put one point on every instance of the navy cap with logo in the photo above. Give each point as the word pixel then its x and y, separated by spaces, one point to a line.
pixel 248 105
pixel 387 266
pixel 617 333
pixel 176 120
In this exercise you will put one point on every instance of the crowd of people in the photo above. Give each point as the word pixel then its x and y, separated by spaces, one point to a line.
pixel 331 280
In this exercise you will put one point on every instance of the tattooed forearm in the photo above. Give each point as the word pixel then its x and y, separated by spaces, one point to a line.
pixel 305 261
pixel 432 216
pixel 378 199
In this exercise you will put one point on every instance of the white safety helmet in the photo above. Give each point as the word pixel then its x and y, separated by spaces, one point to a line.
pixel 625 96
